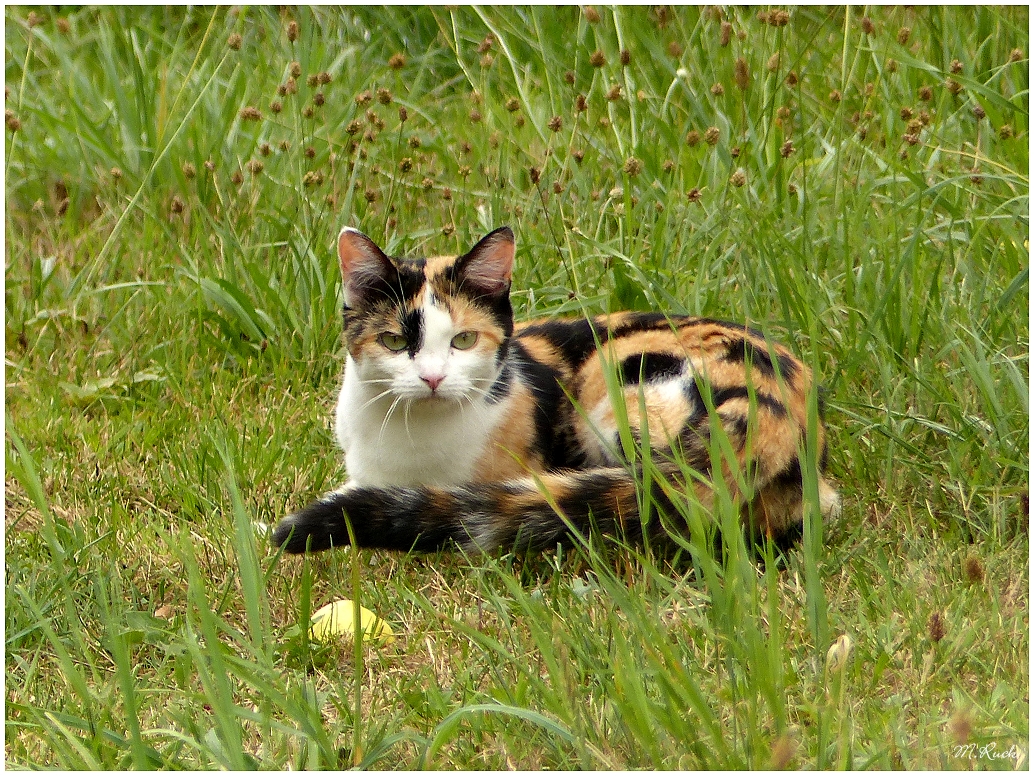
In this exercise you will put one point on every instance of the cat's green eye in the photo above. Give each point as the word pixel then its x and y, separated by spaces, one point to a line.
pixel 393 342
pixel 465 340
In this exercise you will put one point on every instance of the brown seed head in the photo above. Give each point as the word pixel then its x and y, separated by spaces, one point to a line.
pixel 973 569
pixel 486 61
pixel 870 89
pixel 726 34
pixel 265 149
pixel 783 750
pixel 34 19
pixel 956 66
pixel 495 139
pixel 324 78
pixel 739 178
pixel 580 104
pixel 276 106
pixel 189 170
pixel 905 113
pixel 783 112
pixel 668 165
pixel 534 173
pixel 773 63
pixel 911 139
pixel 835 96
pixel 718 90
pixel 778 17
pixel 475 116
pixel 1005 131
pixel 116 172
pixel 712 135
pixel 397 61
pixel 692 138
pixel 312 79
pixel 614 93
pixel 406 164
pixel 518 120
pixel 787 149
pixel 1017 55
pixel 555 124
pixel 569 77
pixel 235 41
pixel 403 114
pixel 742 74
pixel 512 104
pixel 792 79
pixel 308 111
pixel 427 184
pixel 292 31
pixel 255 167
pixel 176 205
pixel 674 50
pixel 597 59
pixel 935 627
pixel 925 93
pixel 791 189
pixel 578 155
pixel 486 45
pixel 12 121
pixel 925 118
pixel 693 195
pixel 363 98
pixel 960 727
pixel 354 127
pixel 625 57
pixel 903 35
pixel 414 141
pixel 371 195
pixel 558 187
pixel 294 69
pixel 592 16
pixel 978 111
pixel 384 96
pixel 209 165
pixel 251 114
pixel 318 99
pixel 237 178
pixel 892 65
pixel 914 126
pixel 867 26
pixel 633 167
pixel 63 25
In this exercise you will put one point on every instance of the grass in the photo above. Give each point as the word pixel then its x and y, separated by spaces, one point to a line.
pixel 854 181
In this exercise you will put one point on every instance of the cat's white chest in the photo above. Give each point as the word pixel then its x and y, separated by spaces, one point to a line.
pixel 416 443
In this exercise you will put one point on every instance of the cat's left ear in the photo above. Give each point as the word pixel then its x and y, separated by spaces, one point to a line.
pixel 488 266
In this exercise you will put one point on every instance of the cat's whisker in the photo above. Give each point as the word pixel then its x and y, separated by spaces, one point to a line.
pixel 376 398
pixel 387 417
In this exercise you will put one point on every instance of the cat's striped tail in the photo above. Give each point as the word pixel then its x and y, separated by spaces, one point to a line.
pixel 525 514
pixel 519 514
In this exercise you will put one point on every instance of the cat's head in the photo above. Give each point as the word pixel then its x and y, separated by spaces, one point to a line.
pixel 428 328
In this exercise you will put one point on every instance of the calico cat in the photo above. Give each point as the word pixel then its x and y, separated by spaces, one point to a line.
pixel 460 426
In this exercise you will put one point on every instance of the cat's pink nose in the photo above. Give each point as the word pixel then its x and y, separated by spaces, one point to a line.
pixel 433 381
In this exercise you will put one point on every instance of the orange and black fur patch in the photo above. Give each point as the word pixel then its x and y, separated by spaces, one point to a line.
pixel 529 416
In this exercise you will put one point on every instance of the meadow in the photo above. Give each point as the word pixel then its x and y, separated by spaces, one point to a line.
pixel 854 180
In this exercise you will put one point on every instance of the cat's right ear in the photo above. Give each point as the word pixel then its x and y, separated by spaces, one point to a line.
pixel 365 269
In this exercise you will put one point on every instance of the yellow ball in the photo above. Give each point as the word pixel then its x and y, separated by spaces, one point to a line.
pixel 337 619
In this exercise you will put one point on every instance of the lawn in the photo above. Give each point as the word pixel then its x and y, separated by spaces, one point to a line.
pixel 854 181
